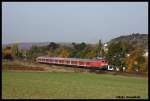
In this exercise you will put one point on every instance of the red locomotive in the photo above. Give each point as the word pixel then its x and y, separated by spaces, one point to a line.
pixel 86 63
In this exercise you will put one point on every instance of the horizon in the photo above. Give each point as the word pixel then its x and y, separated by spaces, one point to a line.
pixel 89 22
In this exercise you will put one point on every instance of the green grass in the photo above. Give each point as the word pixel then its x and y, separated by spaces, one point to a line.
pixel 46 85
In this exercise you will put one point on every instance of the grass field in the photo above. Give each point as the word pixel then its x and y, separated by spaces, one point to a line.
pixel 50 85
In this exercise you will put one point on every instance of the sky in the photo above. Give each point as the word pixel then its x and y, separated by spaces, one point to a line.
pixel 72 21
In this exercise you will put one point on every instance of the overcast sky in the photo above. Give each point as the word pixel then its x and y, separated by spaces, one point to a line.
pixel 72 21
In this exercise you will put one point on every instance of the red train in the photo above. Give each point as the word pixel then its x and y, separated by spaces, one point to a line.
pixel 87 63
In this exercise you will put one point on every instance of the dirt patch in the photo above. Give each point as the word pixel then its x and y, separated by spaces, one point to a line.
pixel 37 68
pixel 57 69
pixel 24 68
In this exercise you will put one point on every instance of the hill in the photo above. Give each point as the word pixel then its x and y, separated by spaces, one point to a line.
pixel 136 40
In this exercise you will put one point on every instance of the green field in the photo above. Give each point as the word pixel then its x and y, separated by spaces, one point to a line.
pixel 53 85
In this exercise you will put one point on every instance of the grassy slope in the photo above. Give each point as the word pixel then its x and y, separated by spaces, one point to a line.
pixel 70 85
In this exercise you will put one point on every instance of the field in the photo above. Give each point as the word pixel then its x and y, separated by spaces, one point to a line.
pixel 60 85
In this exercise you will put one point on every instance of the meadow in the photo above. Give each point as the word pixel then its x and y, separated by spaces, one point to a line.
pixel 60 85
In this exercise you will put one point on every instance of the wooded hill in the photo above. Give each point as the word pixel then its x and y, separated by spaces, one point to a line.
pixel 136 40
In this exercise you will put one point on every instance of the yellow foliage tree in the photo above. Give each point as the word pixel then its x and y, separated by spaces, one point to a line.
pixel 130 61
pixel 63 52
pixel 144 66
pixel 15 50
pixel 7 53
pixel 50 53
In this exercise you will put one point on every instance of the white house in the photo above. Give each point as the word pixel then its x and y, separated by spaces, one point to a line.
pixel 105 47
pixel 127 55
pixel 145 54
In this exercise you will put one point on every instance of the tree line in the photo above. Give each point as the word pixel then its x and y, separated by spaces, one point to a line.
pixel 116 53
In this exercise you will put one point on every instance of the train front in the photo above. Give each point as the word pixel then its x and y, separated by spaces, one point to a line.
pixel 103 64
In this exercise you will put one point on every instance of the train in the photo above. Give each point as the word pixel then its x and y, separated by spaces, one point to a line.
pixel 98 64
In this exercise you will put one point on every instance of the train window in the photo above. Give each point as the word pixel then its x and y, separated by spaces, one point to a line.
pixel 104 61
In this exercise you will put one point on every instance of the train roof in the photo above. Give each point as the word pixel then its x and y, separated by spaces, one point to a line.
pixel 72 59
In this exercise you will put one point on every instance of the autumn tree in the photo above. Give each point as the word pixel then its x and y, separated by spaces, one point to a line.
pixel 7 53
pixel 64 52
pixel 50 53
pixel 144 66
pixel 15 50
pixel 135 60
pixel 32 53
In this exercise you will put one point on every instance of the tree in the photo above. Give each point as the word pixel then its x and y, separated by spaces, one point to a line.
pixel 78 50
pixel 15 50
pixel 53 46
pixel 7 53
pixel 113 54
pixel 117 52
pixel 51 54
pixel 33 52
pixel 135 60
pixel 64 52
pixel 144 66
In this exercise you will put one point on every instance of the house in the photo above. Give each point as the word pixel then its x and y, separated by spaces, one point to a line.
pixel 105 47
pixel 145 53
pixel 127 55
